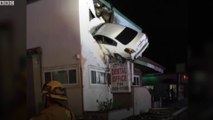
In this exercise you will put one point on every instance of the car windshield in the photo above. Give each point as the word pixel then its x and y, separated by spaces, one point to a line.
pixel 126 36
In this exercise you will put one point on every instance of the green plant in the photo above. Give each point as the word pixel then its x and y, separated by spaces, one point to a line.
pixel 105 105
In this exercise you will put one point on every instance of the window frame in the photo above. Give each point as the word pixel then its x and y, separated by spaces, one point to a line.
pixel 98 84
pixel 67 73
pixel 76 77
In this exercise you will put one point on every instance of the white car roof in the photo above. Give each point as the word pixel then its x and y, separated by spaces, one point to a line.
pixel 109 29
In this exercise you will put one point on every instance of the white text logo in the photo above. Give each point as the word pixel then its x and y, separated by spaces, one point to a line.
pixel 7 3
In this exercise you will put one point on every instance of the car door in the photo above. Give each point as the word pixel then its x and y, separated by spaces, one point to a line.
pixel 109 46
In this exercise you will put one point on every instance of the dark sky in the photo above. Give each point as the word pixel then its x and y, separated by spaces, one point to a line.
pixel 166 24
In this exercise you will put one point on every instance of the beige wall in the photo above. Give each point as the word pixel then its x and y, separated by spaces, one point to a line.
pixel 53 25
pixel 75 100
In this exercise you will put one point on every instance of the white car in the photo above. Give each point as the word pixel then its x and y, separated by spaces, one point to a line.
pixel 120 41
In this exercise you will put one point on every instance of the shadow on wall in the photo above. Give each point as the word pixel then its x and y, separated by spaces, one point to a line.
pixel 13 76
pixel 13 61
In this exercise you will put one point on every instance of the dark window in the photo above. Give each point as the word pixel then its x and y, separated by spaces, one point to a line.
pixel 136 80
pixel 105 40
pixel 91 16
pixel 47 77
pixel 72 76
pixel 60 76
pixel 93 73
pixel 98 77
pixel 126 36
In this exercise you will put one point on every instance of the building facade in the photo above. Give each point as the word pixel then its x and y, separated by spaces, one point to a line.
pixel 70 54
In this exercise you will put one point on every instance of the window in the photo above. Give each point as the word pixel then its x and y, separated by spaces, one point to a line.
pixel 98 11
pixel 126 36
pixel 98 77
pixel 136 80
pixel 105 40
pixel 72 76
pixel 63 76
pixel 91 16
pixel 103 11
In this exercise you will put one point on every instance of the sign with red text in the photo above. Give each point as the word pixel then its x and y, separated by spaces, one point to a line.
pixel 121 78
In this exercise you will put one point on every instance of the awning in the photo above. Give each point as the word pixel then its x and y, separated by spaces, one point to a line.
pixel 148 66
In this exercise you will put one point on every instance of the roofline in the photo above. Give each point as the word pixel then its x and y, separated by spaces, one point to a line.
pixel 118 12
pixel 151 61
pixel 156 68
pixel 150 64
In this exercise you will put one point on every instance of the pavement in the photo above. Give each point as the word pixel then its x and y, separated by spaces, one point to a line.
pixel 174 111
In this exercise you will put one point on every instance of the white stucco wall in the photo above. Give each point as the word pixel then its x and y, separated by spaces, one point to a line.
pixel 142 100
pixel 90 59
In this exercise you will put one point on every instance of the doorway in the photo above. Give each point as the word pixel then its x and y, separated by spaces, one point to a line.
pixel 34 81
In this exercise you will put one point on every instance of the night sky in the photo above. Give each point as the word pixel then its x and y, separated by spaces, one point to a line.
pixel 166 24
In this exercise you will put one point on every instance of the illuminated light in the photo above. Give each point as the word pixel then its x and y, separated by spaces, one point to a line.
pixel 129 50
pixel 150 79
pixel 185 77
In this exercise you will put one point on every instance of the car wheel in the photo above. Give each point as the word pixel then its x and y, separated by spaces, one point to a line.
pixel 119 58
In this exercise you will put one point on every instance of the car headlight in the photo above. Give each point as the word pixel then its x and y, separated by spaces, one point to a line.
pixel 129 50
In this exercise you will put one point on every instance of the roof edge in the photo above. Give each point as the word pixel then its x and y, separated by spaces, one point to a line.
pixel 150 64
pixel 119 13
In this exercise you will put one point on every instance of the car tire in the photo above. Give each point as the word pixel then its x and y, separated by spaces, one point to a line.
pixel 119 58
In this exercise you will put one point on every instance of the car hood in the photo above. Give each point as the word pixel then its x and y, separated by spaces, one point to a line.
pixel 136 40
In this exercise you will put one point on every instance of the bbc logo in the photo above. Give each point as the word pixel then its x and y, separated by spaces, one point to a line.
pixel 7 3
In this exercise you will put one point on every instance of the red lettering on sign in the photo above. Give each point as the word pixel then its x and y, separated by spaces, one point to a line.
pixel 117 71
pixel 123 78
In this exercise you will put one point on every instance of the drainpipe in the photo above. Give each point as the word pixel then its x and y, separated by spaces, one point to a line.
pixel 81 87
pixel 133 90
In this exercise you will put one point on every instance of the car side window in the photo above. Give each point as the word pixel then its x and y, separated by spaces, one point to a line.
pixel 105 40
